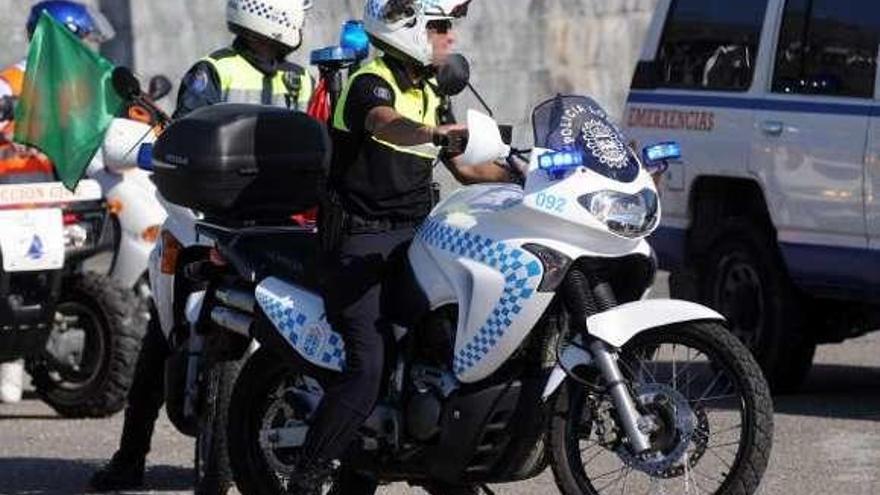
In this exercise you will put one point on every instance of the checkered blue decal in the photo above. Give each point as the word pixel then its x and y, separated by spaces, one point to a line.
pixel 522 274
pixel 307 331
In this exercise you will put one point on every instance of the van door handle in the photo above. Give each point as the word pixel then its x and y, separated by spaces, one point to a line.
pixel 772 128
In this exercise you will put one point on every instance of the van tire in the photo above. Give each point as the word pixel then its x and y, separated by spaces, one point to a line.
pixel 743 276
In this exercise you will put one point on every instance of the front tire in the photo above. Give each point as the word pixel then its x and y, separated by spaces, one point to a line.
pixel 91 379
pixel 575 421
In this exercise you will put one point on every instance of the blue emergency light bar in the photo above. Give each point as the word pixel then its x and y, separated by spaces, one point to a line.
pixel 354 37
pixel 662 152
pixel 557 163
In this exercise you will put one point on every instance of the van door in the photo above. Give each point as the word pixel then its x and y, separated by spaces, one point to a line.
pixel 809 138
pixel 693 86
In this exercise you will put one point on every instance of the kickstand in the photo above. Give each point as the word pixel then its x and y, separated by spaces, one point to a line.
pixel 487 490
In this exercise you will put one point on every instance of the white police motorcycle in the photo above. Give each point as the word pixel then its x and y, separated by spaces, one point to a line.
pixel 523 336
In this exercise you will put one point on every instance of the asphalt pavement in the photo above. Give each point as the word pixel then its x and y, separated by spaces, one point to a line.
pixel 827 440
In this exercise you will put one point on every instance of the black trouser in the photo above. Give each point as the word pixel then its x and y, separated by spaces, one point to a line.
pixel 352 294
pixel 146 396
pixel 145 400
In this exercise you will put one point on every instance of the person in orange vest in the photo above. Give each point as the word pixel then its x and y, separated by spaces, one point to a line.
pixel 90 26
pixel 19 163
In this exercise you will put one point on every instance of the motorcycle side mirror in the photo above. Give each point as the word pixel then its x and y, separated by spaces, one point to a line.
pixel 454 75
pixel 125 83
pixel 159 87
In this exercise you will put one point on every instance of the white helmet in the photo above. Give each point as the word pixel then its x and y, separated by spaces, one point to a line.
pixel 278 20
pixel 402 25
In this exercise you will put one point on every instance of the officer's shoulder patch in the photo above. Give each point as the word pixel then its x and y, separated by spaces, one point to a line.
pixel 382 93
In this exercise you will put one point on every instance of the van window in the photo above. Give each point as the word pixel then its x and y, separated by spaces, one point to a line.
pixel 710 44
pixel 828 47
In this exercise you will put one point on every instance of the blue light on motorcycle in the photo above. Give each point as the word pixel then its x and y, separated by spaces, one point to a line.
pixel 662 152
pixel 145 157
pixel 355 38
pixel 555 164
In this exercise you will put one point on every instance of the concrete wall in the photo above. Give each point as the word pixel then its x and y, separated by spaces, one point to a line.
pixel 522 51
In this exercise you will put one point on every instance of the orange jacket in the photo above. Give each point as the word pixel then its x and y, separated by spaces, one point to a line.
pixel 15 158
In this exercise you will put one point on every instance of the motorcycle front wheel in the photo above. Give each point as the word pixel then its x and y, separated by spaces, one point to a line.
pixel 710 411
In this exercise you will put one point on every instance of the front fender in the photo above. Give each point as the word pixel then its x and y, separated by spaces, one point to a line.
pixel 619 325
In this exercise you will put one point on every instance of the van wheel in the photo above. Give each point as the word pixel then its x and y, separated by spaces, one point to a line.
pixel 744 279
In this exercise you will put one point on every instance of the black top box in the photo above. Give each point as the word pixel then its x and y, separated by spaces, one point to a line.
pixel 243 162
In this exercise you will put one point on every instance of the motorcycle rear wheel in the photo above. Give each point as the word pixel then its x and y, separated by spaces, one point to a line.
pixel 590 456
pixel 258 399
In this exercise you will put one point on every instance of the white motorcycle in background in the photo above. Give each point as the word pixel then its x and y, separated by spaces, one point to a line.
pixel 523 338
pixel 136 213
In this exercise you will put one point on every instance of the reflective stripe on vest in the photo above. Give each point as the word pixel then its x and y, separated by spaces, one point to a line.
pixel 418 105
pixel 240 82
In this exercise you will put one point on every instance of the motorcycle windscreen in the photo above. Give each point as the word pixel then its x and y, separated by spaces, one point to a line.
pixel 578 123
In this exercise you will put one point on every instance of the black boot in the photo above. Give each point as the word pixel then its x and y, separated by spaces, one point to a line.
pixel 121 473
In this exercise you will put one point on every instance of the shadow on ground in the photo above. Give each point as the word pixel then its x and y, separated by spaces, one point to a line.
pixel 836 391
pixel 36 476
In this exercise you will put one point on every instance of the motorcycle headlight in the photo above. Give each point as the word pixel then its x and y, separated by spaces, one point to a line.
pixel 628 215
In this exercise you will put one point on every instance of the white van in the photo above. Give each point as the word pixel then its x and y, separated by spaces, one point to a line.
pixel 773 214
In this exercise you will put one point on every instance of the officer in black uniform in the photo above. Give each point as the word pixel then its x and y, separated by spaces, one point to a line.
pixel 254 70
pixel 385 129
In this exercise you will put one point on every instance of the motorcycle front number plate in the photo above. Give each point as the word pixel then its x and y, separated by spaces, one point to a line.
pixel 32 240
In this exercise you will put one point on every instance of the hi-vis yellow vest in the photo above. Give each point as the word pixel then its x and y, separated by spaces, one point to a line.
pixel 240 82
pixel 418 105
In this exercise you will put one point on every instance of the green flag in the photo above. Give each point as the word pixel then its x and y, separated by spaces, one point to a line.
pixel 67 101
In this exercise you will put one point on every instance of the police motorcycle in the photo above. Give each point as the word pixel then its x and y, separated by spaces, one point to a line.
pixel 204 362
pixel 523 338
pixel 79 328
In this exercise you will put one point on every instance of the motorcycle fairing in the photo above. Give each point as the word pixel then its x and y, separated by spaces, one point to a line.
pixel 495 283
pixel 300 318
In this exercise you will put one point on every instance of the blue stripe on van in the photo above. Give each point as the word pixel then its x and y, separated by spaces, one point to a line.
pixel 744 103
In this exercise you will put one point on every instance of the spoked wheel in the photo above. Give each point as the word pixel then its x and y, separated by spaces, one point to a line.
pixel 268 395
pixel 709 413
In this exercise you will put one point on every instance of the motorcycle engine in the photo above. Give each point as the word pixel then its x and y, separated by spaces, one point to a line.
pixel 431 381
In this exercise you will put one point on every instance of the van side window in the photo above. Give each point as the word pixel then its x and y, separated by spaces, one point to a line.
pixel 828 47
pixel 710 44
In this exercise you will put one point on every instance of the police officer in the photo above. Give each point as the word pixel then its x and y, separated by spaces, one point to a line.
pixel 384 130
pixel 253 70
pixel 28 164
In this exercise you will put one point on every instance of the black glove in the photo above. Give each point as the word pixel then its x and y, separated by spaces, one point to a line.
pixel 453 142
pixel 7 108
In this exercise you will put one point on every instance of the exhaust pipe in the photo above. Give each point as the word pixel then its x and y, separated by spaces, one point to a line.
pixel 238 299
pixel 232 320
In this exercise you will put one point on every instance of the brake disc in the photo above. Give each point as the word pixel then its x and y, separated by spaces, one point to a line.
pixel 677 425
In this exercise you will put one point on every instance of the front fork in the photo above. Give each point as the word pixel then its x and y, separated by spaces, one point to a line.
pixel 586 295
pixel 634 424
